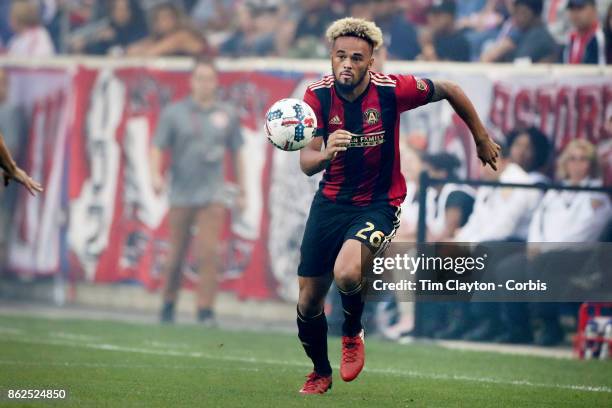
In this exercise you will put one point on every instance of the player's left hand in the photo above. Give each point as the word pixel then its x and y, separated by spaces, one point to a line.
pixel 488 151
pixel 22 177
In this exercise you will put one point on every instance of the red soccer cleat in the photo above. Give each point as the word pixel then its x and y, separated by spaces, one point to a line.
pixel 353 356
pixel 316 384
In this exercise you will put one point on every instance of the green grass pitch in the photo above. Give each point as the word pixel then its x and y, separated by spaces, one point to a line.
pixel 105 363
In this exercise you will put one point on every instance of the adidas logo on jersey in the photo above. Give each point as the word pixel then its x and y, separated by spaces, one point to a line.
pixel 335 120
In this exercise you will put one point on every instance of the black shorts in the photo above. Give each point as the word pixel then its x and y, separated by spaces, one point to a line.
pixel 330 224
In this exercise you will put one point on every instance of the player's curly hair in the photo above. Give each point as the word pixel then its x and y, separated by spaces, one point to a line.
pixel 355 27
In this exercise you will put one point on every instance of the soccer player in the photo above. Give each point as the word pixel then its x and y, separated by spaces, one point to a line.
pixel 10 171
pixel 355 211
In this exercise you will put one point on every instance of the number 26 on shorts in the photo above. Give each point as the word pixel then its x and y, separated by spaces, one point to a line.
pixel 376 237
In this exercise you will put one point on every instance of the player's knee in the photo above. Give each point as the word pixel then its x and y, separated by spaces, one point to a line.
pixel 309 309
pixel 347 277
pixel 309 305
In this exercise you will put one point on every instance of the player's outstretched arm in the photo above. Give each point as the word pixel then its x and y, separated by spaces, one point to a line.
pixel 12 172
pixel 487 149
pixel 313 159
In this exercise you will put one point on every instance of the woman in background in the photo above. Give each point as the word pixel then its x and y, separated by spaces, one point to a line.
pixel 124 26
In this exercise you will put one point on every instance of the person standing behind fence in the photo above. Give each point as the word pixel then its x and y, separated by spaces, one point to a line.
pixel 197 131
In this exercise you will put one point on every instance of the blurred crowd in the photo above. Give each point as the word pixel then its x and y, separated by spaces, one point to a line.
pixel 568 31
pixel 537 222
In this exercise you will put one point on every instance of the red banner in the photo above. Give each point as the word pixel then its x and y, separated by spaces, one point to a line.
pixel 118 225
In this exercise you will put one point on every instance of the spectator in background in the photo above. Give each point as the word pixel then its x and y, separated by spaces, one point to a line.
pixel 214 18
pixel 30 38
pixel 400 36
pixel 441 41
pixel 5 27
pixel 212 15
pixel 608 34
pixel 125 25
pixel 197 131
pixel 528 39
pixel 481 22
pixel 416 11
pixel 530 149
pixel 307 29
pixel 448 205
pixel 255 36
pixel 586 41
pixel 502 215
pixel 562 216
pixel 171 36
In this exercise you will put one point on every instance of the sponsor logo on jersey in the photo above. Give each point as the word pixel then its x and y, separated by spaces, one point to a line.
pixel 335 120
pixel 367 139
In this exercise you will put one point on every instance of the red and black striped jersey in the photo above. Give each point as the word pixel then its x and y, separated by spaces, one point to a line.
pixel 369 170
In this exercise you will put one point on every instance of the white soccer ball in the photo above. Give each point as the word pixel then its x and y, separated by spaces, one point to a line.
pixel 290 124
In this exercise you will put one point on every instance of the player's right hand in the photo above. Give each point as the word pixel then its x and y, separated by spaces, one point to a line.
pixel 488 151
pixel 338 141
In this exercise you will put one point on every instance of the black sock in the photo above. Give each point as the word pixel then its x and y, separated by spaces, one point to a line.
pixel 204 314
pixel 352 306
pixel 312 332
pixel 168 307
pixel 167 312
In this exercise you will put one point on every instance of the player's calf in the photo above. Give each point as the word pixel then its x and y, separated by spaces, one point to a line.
pixel 312 332
pixel 353 350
